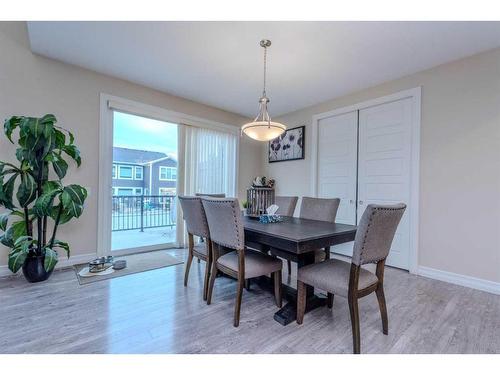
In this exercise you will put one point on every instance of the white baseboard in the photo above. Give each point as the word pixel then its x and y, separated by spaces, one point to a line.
pixel 463 280
pixel 63 263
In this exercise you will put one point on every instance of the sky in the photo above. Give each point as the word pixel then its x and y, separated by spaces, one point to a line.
pixel 142 133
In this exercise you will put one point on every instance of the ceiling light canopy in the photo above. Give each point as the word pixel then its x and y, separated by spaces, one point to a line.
pixel 262 128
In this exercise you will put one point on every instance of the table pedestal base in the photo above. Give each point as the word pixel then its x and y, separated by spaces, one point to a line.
pixel 288 313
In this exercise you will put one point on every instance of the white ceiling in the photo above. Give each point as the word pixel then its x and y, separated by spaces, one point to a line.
pixel 220 63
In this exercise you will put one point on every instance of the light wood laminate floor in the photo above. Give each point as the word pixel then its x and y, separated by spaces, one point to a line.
pixel 152 312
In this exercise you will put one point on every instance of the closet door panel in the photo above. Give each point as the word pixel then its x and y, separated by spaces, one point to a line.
pixel 337 165
pixel 385 165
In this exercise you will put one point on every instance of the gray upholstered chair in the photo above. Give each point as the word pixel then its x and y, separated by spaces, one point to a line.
pixel 322 209
pixel 226 229
pixel 221 195
pixel 197 225
pixel 373 241
pixel 286 205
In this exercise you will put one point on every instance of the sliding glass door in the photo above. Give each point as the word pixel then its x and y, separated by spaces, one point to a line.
pixel 144 184
pixel 148 156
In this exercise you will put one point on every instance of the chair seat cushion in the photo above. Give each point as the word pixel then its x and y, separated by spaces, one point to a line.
pixel 333 276
pixel 201 249
pixel 256 263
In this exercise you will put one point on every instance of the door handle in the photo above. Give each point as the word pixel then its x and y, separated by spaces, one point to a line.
pixel 351 201
pixel 360 202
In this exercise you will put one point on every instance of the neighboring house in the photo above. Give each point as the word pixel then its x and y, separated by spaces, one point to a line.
pixel 140 172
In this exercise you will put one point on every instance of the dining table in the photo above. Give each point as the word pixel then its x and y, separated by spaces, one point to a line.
pixel 297 240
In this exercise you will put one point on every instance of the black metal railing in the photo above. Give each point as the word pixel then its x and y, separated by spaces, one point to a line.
pixel 143 211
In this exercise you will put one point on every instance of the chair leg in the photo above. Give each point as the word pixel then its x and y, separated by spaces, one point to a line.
pixel 213 275
pixel 329 300
pixel 208 265
pixel 353 309
pixel 383 309
pixel 277 288
pixel 289 267
pixel 301 301
pixel 327 253
pixel 188 266
pixel 237 307
pixel 247 284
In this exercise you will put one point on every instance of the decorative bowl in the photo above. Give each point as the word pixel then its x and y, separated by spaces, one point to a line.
pixel 100 264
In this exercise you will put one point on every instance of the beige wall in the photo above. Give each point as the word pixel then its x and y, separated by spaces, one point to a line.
pixel 459 165
pixel 33 85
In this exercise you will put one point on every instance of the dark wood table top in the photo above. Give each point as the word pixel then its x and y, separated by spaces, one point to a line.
pixel 298 235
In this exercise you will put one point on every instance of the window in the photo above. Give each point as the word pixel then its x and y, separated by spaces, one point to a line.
pixel 138 173
pixel 124 191
pixel 168 174
pixel 114 170
pixel 121 191
pixel 125 172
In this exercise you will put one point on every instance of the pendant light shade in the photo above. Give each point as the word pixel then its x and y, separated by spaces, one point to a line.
pixel 262 128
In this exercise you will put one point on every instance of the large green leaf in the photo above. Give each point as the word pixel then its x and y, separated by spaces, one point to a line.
pixel 60 166
pixel 60 139
pixel 73 152
pixel 26 192
pixel 62 245
pixel 78 193
pixel 73 197
pixel 4 218
pixel 43 204
pixel 48 122
pixel 64 217
pixel 50 259
pixel 9 126
pixel 17 257
pixel 16 230
pixel 51 186
pixel 8 191
pixel 49 117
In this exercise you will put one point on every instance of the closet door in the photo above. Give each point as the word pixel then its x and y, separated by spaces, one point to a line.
pixel 337 159
pixel 384 166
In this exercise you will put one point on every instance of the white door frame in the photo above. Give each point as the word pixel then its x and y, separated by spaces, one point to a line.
pixel 109 102
pixel 415 95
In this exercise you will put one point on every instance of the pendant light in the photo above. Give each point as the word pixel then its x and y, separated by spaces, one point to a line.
pixel 262 128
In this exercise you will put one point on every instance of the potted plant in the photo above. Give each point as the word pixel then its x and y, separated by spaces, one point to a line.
pixel 41 205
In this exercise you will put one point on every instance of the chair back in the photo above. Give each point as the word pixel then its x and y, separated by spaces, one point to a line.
pixel 194 215
pixel 221 195
pixel 286 205
pixel 375 232
pixel 224 222
pixel 323 209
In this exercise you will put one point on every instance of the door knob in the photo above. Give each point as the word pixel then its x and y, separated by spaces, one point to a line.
pixel 351 201
pixel 360 202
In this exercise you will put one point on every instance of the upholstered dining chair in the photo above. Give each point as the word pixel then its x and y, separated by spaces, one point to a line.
pixel 323 209
pixel 218 195
pixel 286 205
pixel 226 229
pixel 196 225
pixel 373 241
pixel 221 195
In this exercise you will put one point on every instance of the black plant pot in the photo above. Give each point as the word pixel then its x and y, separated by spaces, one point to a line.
pixel 33 269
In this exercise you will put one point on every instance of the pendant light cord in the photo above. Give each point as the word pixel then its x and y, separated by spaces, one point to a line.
pixel 265 65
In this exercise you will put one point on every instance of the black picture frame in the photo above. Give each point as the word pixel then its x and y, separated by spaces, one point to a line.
pixel 300 131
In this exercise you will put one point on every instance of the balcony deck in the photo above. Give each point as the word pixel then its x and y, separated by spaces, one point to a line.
pixel 126 239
